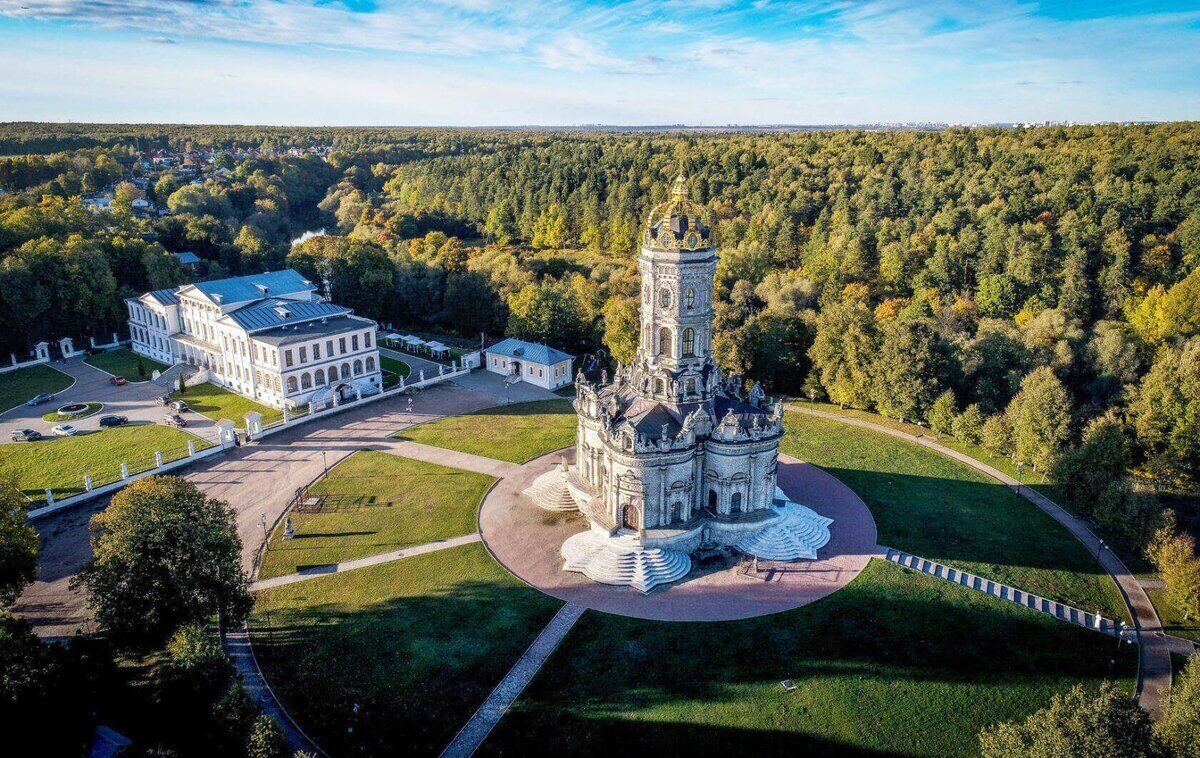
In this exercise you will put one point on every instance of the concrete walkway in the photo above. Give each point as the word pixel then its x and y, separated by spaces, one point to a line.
pixel 239 652
pixel 480 725
pixel 1154 649
pixel 452 458
pixel 371 560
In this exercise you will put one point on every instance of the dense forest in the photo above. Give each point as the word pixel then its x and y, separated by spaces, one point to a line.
pixel 1031 290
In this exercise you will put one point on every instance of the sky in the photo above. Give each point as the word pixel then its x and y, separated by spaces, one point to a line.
pixel 617 62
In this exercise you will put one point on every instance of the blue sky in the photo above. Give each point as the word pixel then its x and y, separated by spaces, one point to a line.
pixel 490 62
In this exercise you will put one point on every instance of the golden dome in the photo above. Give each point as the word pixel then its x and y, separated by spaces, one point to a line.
pixel 679 223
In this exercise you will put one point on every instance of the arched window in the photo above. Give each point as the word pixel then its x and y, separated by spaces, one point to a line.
pixel 358 368
pixel 345 370
pixel 305 381
pixel 712 500
pixel 659 387
pixel 735 502
pixel 664 342
pixel 689 342
pixel 370 364
pixel 664 297
pixel 332 374
pixel 319 378
pixel 691 386
pixel 676 512
pixel 691 298
pixel 291 384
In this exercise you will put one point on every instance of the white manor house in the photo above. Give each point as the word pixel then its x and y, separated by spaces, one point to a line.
pixel 670 458
pixel 268 337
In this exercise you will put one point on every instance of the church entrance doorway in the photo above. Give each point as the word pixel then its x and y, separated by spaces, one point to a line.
pixel 629 517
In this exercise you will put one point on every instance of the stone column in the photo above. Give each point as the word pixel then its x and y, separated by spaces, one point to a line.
pixel 158 460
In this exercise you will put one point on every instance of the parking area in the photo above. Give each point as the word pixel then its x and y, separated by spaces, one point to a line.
pixel 136 401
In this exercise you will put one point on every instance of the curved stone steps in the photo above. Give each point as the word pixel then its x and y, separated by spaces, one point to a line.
pixel 621 560
pixel 797 534
pixel 552 492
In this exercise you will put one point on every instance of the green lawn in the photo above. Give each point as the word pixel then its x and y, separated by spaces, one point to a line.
pixel 418 644
pixel 18 386
pixel 54 417
pixel 514 433
pixel 395 366
pixel 62 462
pixel 217 403
pixel 935 507
pixel 896 663
pixel 376 502
pixel 1172 618
pixel 122 362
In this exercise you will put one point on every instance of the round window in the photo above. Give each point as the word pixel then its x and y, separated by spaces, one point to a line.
pixel 664 298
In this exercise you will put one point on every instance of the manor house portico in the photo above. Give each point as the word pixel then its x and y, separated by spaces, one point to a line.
pixel 267 336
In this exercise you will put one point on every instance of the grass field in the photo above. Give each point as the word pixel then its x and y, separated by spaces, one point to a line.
pixel 514 433
pixel 1172 618
pixel 376 502
pixel 217 403
pixel 122 362
pixel 935 507
pixel 417 644
pixel 54 417
pixel 393 369
pixel 18 386
pixel 894 664
pixel 61 462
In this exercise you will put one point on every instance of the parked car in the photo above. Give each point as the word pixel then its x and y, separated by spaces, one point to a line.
pixel 179 405
pixel 117 380
pixel 64 430
pixel 25 435
pixel 41 397
pixel 164 399
pixel 174 419
pixel 113 420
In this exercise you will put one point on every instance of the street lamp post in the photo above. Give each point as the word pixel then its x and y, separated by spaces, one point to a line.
pixel 324 462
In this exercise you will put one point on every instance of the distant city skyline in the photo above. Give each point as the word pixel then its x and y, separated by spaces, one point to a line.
pixel 569 62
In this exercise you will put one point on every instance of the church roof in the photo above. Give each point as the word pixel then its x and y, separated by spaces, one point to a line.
pixel 679 223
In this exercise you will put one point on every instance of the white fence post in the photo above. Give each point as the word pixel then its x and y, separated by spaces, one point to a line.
pixel 87 482
pixel 49 496
pixel 124 470
pixel 191 448
pixel 157 460
pixel 286 416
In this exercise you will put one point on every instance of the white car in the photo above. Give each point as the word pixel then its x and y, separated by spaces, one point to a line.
pixel 65 430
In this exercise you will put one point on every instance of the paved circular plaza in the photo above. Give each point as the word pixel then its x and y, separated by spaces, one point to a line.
pixel 526 539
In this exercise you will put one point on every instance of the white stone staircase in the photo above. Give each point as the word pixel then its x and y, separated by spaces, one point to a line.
pixel 552 491
pixel 797 534
pixel 622 560
pixel 1060 611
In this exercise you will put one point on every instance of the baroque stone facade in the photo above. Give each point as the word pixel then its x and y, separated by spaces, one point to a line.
pixel 671 456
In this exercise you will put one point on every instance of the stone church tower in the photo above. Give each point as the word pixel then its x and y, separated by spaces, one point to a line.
pixel 670 456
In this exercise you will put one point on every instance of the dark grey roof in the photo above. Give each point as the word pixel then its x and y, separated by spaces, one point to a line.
pixel 278 312
pixel 166 297
pixel 310 330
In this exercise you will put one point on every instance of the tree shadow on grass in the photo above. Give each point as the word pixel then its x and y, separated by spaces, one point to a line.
pixel 419 666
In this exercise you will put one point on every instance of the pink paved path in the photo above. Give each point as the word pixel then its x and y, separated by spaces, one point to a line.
pixel 525 539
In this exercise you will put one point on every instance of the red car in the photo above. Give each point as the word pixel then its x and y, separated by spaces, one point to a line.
pixel 118 380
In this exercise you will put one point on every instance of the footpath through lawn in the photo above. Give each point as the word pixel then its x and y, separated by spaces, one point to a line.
pixel 218 403
pixel 895 663
pixel 417 644
pixel 933 506
pixel 374 502
pixel 18 386
pixel 515 433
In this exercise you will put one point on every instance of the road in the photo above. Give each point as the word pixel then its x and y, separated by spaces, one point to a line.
pixel 257 480
pixel 135 401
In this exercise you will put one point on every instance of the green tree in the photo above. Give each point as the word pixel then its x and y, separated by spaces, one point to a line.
pixel 550 229
pixel 943 413
pixel 546 312
pixel 1179 727
pixel 910 370
pixel 1040 416
pixel 266 739
pixel 968 425
pixel 1166 412
pixel 1080 723
pixel 356 274
pixel 164 555
pixel 998 296
pixel 1101 460
pixel 997 435
pixel 842 351
pixel 18 544
pixel 622 323
pixel 471 305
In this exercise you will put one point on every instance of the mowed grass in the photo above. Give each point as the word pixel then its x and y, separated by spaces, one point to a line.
pixel 18 386
pixel 54 417
pixel 896 663
pixel 217 403
pixel 418 644
pixel 376 502
pixel 514 433
pixel 933 506
pixel 122 362
pixel 394 365
pixel 1172 617
pixel 61 462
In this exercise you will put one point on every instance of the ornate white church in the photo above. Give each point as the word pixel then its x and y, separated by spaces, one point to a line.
pixel 670 457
